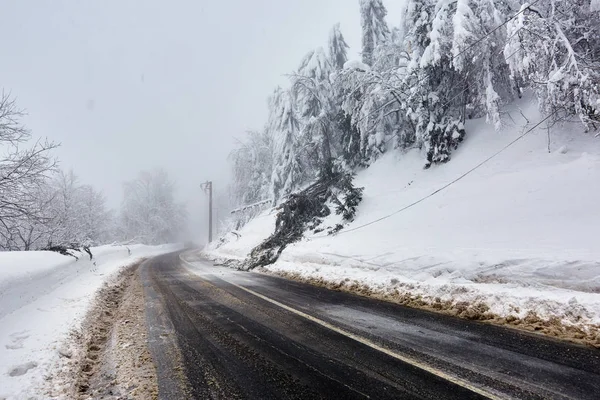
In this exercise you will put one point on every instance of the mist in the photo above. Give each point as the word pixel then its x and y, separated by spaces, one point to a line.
pixel 126 86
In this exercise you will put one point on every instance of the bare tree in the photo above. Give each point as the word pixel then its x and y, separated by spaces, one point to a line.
pixel 23 172
pixel 33 231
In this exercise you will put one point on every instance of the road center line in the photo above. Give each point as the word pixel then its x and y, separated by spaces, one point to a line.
pixel 367 342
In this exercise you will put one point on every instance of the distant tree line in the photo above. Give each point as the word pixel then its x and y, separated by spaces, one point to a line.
pixel 43 207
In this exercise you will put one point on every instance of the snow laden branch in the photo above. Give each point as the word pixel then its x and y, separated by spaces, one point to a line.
pixel 558 56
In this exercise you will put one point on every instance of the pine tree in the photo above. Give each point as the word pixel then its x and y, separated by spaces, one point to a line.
pixel 314 95
pixel 350 89
pixel 374 28
pixel 288 170
pixel 338 49
pixel 476 45
pixel 418 15
pixel 438 123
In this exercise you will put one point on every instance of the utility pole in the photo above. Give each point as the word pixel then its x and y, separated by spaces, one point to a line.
pixel 208 187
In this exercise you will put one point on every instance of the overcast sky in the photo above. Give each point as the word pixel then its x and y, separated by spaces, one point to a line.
pixel 128 85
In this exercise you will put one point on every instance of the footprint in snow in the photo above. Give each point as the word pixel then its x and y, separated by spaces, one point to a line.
pixel 17 340
pixel 22 369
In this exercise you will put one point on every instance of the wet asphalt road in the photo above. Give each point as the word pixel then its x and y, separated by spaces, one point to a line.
pixel 224 334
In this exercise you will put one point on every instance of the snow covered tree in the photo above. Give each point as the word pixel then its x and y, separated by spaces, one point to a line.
pixel 70 215
pixel 345 139
pixel 252 168
pixel 40 206
pixel 76 213
pixel 289 170
pixel 418 15
pixel 313 93
pixel 149 213
pixel 338 48
pixel 374 28
pixel 347 92
pixel 371 94
pixel 367 118
pixel 431 105
pixel 557 48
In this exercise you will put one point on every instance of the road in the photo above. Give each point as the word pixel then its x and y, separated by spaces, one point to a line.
pixel 219 333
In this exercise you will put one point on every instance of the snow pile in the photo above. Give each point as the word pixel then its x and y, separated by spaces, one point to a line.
pixel 518 235
pixel 43 296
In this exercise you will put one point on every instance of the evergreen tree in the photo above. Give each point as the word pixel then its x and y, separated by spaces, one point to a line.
pixel 338 49
pixel 350 89
pixel 288 170
pixel 485 74
pixel 314 95
pixel 374 28
pixel 438 125
pixel 418 15
pixel 315 65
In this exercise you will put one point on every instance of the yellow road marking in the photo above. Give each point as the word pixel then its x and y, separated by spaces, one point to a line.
pixel 456 380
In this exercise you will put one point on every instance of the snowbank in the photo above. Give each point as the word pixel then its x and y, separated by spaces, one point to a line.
pixel 518 235
pixel 43 296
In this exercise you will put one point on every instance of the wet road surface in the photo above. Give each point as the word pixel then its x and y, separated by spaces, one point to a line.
pixel 225 334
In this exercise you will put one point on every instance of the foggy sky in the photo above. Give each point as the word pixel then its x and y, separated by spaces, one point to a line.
pixel 129 85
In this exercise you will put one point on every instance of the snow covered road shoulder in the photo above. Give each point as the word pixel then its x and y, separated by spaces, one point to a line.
pixel 43 297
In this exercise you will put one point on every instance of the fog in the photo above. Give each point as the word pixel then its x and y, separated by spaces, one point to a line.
pixel 132 85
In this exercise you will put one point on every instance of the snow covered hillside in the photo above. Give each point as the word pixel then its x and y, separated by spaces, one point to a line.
pixel 43 296
pixel 516 238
